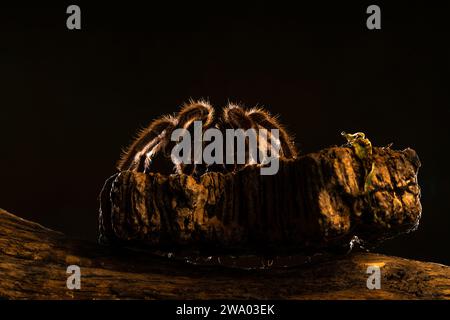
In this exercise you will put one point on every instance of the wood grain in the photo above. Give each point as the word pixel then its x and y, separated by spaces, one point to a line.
pixel 321 199
pixel 33 262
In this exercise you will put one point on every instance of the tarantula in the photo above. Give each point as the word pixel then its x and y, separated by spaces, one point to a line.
pixel 150 151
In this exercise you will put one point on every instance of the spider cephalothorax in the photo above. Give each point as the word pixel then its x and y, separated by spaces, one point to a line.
pixel 151 150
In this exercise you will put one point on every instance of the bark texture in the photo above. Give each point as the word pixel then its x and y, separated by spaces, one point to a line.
pixel 320 200
pixel 34 259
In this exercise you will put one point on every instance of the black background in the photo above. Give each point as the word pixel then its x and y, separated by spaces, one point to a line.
pixel 70 100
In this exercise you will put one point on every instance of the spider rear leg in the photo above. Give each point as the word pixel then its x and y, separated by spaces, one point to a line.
pixel 132 158
pixel 265 120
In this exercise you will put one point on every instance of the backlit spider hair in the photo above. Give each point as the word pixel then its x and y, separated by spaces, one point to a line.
pixel 236 117
pixel 150 151
pixel 153 142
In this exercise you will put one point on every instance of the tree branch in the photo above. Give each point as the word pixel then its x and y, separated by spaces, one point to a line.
pixel 33 262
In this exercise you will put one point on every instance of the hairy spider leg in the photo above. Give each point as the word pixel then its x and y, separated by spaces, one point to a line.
pixel 234 117
pixel 146 137
pixel 264 119
pixel 189 113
